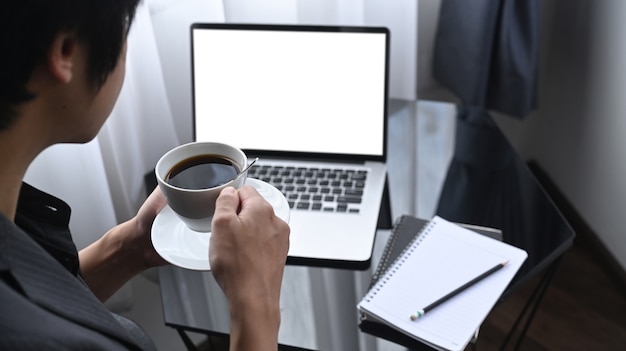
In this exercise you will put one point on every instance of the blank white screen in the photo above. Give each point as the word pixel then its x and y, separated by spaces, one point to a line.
pixel 321 92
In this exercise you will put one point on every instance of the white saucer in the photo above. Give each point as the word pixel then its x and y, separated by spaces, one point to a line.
pixel 189 249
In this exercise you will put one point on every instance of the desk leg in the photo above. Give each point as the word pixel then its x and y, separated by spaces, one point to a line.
pixel 533 304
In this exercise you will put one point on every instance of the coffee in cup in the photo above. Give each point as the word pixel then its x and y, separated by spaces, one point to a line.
pixel 191 177
pixel 202 172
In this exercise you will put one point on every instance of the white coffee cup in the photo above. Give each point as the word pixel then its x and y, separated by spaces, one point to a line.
pixel 196 206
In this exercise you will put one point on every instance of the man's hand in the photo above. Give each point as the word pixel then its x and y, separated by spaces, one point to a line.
pixel 248 250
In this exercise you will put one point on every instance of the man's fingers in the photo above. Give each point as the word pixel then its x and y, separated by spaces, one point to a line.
pixel 250 198
pixel 227 202
pixel 248 192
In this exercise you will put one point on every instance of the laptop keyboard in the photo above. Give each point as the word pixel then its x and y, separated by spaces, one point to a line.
pixel 315 189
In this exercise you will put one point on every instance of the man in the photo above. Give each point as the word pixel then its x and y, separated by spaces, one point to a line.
pixel 61 71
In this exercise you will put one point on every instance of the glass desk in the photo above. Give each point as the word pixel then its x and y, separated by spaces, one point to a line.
pixel 462 169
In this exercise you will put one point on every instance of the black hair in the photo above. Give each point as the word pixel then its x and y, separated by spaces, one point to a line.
pixel 28 27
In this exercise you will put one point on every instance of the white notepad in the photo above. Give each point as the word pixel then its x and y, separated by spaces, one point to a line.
pixel 442 258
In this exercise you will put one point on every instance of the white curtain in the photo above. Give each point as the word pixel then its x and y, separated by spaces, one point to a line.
pixel 140 128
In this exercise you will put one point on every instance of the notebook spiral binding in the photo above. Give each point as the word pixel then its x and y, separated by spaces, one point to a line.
pixel 384 258
pixel 384 263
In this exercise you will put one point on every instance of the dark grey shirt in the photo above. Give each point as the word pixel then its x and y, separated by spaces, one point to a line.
pixel 44 302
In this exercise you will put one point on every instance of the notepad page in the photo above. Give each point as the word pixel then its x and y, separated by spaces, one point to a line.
pixel 443 258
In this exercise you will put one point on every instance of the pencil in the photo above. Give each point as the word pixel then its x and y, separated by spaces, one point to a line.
pixel 456 291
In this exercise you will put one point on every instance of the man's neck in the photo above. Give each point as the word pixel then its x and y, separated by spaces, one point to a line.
pixel 18 148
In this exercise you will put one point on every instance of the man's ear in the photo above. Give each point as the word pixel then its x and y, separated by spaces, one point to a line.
pixel 62 56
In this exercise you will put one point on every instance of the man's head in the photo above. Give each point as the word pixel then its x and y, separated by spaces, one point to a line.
pixel 29 27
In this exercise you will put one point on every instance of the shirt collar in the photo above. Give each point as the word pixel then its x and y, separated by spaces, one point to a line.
pixel 46 219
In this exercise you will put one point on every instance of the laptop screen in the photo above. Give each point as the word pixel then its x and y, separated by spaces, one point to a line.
pixel 293 89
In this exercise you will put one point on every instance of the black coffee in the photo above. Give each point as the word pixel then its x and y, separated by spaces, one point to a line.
pixel 202 172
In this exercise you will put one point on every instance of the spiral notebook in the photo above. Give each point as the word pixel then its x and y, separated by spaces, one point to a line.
pixel 441 258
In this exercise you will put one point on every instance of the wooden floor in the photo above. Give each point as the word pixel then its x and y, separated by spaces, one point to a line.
pixel 584 308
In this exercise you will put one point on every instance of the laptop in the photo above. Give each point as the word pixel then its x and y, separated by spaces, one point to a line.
pixel 311 103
